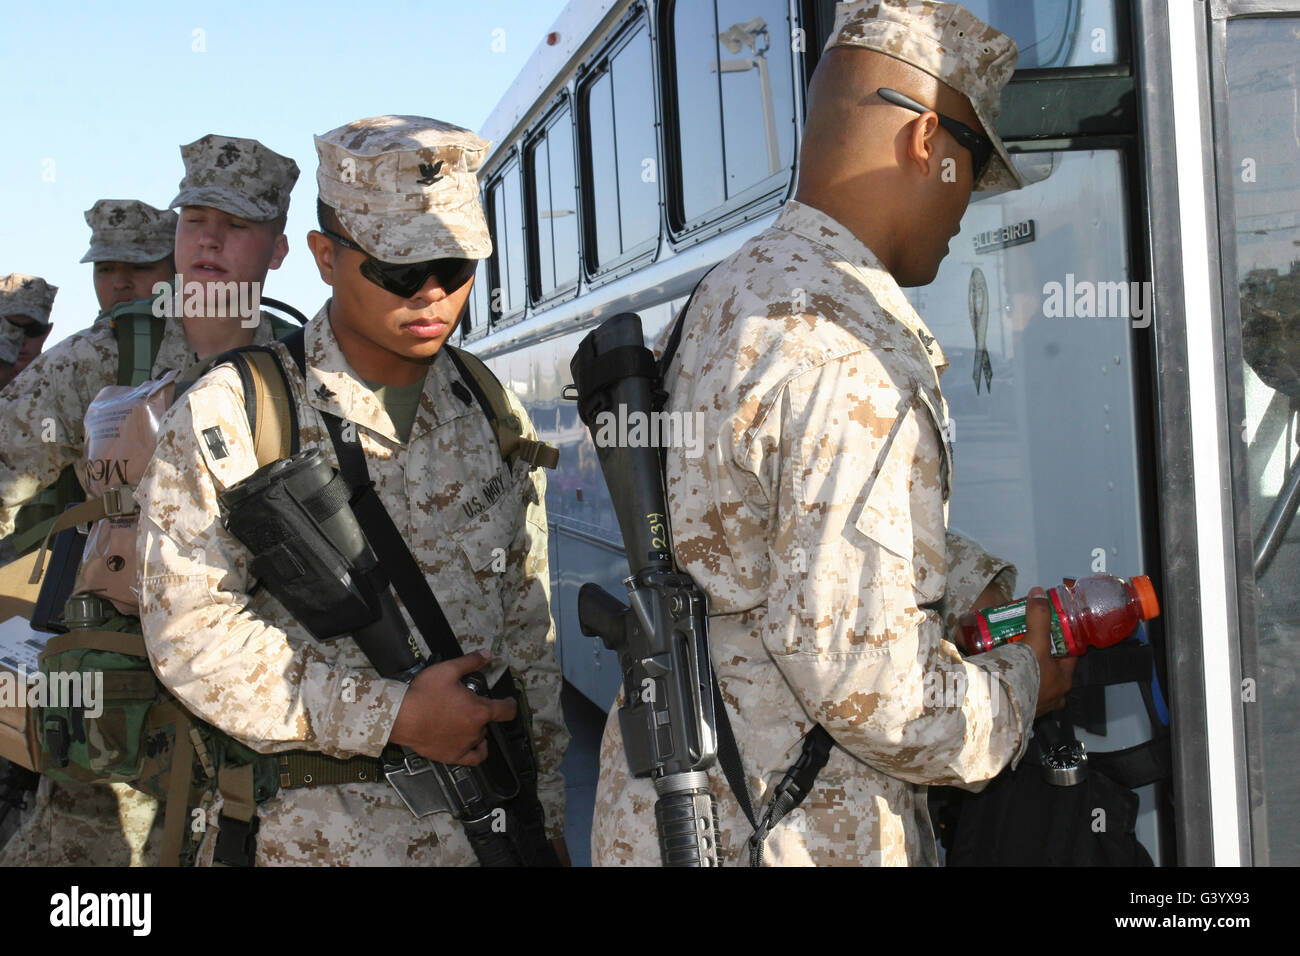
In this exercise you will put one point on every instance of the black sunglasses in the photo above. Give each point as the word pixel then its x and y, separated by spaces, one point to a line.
pixel 980 146
pixel 31 330
pixel 406 279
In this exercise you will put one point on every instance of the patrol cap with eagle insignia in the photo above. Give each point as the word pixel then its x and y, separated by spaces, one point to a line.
pixel 238 176
pixel 951 44
pixel 406 187
pixel 127 230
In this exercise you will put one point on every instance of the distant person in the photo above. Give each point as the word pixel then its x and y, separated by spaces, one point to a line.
pixel 131 248
pixel 25 303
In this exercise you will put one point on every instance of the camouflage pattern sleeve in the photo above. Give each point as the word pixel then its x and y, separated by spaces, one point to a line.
pixel 41 416
pixel 851 459
pixel 971 569
pixel 239 662
pixel 529 636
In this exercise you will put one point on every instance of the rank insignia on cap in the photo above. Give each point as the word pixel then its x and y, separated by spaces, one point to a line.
pixel 430 173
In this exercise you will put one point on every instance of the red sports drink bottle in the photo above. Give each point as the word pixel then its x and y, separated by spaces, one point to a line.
pixel 1097 611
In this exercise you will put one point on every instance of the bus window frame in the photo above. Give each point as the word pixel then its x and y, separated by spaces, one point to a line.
pixel 528 170
pixel 587 74
pixel 756 200
pixel 513 160
pixel 480 326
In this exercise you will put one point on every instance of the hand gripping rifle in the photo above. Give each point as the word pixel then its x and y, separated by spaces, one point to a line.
pixel 296 515
pixel 661 636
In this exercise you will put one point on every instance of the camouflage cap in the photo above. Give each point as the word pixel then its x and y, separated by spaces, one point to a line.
pixel 26 295
pixel 238 176
pixel 11 341
pixel 127 230
pixel 951 44
pixel 406 187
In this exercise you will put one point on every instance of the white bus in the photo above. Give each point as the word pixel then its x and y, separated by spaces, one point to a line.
pixel 1124 333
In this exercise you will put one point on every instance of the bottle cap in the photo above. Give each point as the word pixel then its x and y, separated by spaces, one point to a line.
pixel 1147 595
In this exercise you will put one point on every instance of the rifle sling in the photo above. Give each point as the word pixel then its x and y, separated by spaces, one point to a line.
pixel 390 547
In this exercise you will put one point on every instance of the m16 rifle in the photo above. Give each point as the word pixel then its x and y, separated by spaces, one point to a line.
pixel 661 635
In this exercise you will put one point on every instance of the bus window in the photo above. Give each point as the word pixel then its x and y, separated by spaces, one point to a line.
pixel 479 315
pixel 1054 33
pixel 619 124
pixel 507 243
pixel 1263 173
pixel 733 101
pixel 553 209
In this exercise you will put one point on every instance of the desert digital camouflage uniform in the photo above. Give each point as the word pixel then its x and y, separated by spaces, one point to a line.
pixel 815 521
pixel 50 399
pixel 42 432
pixel 243 664
pixel 476 526
pixel 41 429
pixel 42 413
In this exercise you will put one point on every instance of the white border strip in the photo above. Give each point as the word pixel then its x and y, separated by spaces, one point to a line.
pixel 1191 123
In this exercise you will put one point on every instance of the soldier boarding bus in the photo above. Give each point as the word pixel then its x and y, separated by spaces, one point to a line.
pixel 1123 334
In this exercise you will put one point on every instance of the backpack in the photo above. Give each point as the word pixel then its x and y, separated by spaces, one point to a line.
pixel 1085 819
pixel 143 735
pixel 139 733
pixel 139 335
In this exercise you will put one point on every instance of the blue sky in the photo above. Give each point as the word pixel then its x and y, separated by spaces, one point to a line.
pixel 98 98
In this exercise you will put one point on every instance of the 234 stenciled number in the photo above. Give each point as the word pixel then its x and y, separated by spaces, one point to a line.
pixel 658 531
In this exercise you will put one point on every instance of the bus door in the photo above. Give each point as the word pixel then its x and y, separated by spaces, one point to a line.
pixel 1044 313
pixel 1225 185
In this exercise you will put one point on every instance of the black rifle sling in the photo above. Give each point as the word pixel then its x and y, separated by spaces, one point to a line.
pixel 817 743
pixel 389 545
pixel 675 338
pixel 729 756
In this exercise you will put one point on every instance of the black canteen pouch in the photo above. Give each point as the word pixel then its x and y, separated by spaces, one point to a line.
pixel 289 514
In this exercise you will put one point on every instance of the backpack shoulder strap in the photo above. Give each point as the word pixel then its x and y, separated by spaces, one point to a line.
pixel 268 400
pixel 288 310
pixel 280 326
pixel 139 336
pixel 505 424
